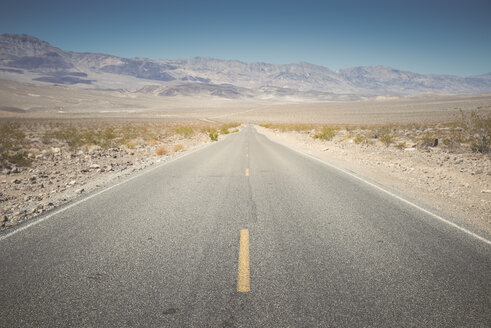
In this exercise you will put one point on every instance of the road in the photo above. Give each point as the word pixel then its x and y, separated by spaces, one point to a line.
pixel 243 233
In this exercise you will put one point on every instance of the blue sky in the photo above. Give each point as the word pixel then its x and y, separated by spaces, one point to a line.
pixel 432 36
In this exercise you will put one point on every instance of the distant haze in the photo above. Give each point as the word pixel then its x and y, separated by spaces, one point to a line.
pixel 24 58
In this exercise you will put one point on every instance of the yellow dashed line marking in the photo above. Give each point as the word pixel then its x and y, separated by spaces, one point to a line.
pixel 247 155
pixel 247 172
pixel 244 276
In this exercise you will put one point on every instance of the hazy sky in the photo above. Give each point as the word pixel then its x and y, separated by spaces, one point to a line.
pixel 432 36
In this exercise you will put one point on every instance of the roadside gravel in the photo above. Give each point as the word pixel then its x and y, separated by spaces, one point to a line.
pixel 59 174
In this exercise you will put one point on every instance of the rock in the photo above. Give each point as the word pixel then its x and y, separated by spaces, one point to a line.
pixel 55 150
pixel 94 166
pixel 71 183
pixel 79 191
pixel 17 181
pixel 486 191
pixel 5 218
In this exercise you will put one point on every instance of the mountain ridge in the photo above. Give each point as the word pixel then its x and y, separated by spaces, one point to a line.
pixel 41 62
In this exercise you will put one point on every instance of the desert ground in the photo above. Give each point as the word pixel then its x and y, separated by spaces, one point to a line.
pixel 59 143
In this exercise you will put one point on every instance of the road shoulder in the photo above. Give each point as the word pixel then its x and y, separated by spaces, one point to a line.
pixel 413 183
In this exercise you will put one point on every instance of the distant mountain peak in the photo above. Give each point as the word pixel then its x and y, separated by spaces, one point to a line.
pixel 24 57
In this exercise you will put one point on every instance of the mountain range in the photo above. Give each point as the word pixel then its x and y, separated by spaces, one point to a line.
pixel 24 58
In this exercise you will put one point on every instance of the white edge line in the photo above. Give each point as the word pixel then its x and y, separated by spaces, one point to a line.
pixel 63 209
pixel 387 192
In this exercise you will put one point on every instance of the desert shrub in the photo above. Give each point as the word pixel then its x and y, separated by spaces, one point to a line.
pixel 70 135
pixel 294 127
pixel 381 131
pixel 228 126
pixel 224 130
pixel 161 150
pixel 387 139
pixel 234 131
pixel 300 127
pixel 326 133
pixel 76 137
pixel 134 131
pixel 401 145
pixel 213 134
pixel 185 130
pixel 478 127
pixel 360 138
pixel 103 137
pixel 12 144
pixel 177 148
pixel 130 144
pixel 267 125
pixel 428 140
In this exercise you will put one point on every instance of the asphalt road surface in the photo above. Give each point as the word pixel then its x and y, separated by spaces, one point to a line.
pixel 243 233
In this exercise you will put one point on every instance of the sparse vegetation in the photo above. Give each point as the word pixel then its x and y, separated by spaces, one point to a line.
pixel 161 150
pixel 478 127
pixel 428 140
pixel 225 128
pixel 387 139
pixel 13 141
pixel 213 134
pixel 185 130
pixel 401 145
pixel 178 147
pixel 130 144
pixel 115 135
pixel 289 127
pixel 471 131
pixel 326 133
pixel 360 138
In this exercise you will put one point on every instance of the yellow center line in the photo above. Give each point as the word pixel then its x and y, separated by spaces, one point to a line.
pixel 243 277
pixel 247 172
pixel 247 155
